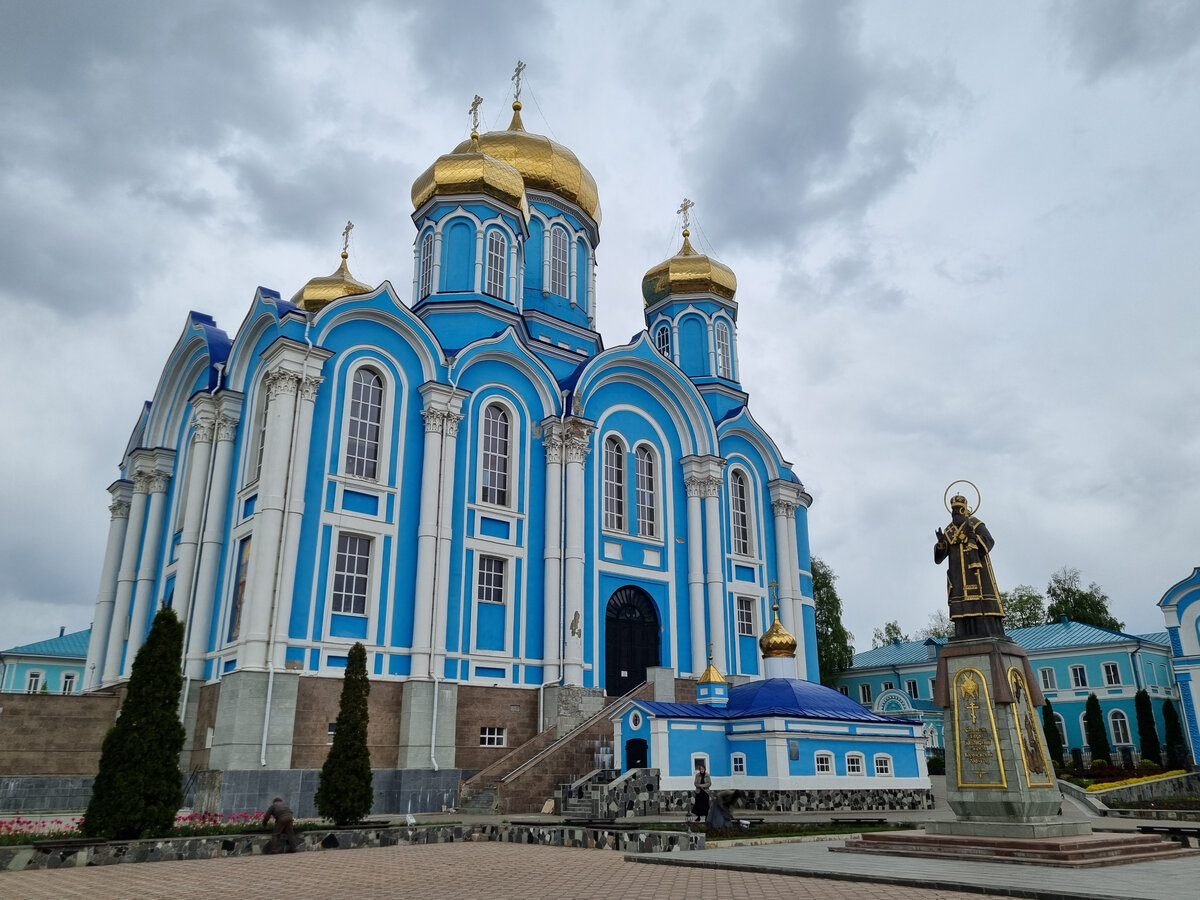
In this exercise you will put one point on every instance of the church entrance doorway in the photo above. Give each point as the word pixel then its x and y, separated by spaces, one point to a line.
pixel 636 755
pixel 630 639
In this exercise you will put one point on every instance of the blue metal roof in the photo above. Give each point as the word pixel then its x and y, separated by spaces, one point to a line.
pixel 1157 637
pixel 74 646
pixel 897 653
pixel 776 697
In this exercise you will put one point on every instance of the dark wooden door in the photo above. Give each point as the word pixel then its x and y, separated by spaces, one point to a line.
pixel 631 639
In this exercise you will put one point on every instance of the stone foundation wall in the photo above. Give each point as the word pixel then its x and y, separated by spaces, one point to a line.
pixel 514 709
pixel 635 793
pixel 53 734
pixel 811 801
pixel 30 856
pixel 1178 786
pixel 317 702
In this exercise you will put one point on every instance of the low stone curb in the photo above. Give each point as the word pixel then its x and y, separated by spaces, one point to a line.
pixel 28 856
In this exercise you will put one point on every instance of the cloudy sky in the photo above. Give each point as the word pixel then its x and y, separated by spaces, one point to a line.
pixel 966 240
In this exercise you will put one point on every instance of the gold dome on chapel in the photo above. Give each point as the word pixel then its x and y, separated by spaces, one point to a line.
pixel 468 170
pixel 688 272
pixel 544 164
pixel 323 290
pixel 777 642
pixel 711 675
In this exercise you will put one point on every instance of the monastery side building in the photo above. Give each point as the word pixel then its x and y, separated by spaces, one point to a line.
pixel 513 519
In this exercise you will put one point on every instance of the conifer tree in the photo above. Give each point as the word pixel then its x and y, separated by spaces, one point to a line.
pixel 139 789
pixel 1050 730
pixel 344 792
pixel 1173 734
pixel 1147 730
pixel 1093 726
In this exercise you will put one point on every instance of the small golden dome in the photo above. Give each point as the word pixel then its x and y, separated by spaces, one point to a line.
pixel 711 675
pixel 468 170
pixel 323 290
pixel 777 642
pixel 544 164
pixel 688 272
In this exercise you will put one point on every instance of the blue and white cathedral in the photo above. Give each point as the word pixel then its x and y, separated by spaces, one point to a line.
pixel 460 476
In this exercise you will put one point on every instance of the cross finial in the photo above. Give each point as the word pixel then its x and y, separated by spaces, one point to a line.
pixel 516 79
pixel 684 208
pixel 775 593
pixel 475 112
pixel 710 653
pixel 346 238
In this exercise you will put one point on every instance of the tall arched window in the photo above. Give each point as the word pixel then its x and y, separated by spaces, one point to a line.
pixel 494 478
pixel 497 263
pixel 647 514
pixel 1120 727
pixel 614 485
pixel 1061 724
pixel 662 340
pixel 362 429
pixel 739 514
pixel 724 358
pixel 558 260
pixel 425 288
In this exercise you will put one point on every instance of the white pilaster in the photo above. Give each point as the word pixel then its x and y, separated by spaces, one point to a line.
pixel 479 260
pixel 714 574
pixel 106 595
pixel 195 490
pixel 445 528
pixel 436 277
pixel 552 441
pixel 576 445
pixel 695 549
pixel 126 576
pixel 148 566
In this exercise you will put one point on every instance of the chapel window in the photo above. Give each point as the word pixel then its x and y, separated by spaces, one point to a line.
pixel 363 426
pixel 724 352
pixel 495 455
pixel 351 570
pixel 614 485
pixel 558 261
pixel 497 258
pixel 739 514
pixel 426 281
pixel 646 491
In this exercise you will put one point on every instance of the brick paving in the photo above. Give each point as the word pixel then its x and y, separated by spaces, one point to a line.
pixel 439 872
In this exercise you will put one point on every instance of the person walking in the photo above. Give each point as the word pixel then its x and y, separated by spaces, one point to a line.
pixel 282 814
pixel 703 785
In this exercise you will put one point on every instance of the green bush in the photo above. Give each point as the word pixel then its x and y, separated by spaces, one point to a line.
pixel 344 792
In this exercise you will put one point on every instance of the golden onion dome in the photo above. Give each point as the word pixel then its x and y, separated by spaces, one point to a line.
pixel 468 170
pixel 544 164
pixel 777 642
pixel 323 290
pixel 688 272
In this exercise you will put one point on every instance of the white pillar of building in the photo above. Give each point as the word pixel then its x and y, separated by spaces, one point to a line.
pixel 436 274
pixel 126 576
pixel 785 509
pixel 149 565
pixel 552 557
pixel 203 428
pixel 445 529
pixel 694 483
pixel 212 540
pixel 576 446
pixel 479 260
pixel 714 570
pixel 802 649
pixel 107 594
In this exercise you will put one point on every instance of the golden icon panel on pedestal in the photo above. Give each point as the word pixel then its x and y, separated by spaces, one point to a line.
pixel 977 745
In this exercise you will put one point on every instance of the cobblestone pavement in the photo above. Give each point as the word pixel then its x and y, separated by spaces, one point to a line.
pixel 439 872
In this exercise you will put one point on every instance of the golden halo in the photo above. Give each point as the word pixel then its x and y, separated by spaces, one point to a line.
pixel 970 509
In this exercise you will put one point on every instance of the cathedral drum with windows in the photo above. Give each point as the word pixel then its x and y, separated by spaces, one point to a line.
pixel 513 519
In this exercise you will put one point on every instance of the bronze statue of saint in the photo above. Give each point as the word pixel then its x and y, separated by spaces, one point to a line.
pixel 975 607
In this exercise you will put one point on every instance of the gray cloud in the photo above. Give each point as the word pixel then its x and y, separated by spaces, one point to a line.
pixel 1108 37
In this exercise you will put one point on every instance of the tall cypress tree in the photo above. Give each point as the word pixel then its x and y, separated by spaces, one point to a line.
pixel 1050 730
pixel 139 789
pixel 1093 725
pixel 1173 733
pixel 1147 730
pixel 344 792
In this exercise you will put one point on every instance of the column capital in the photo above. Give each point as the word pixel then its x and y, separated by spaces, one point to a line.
pixel 204 426
pixel 281 383
pixel 226 428
pixel 308 387
pixel 577 440
pixel 433 420
pixel 450 423
pixel 785 508
pixel 119 509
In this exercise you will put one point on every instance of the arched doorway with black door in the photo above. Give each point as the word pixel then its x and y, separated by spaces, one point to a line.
pixel 631 639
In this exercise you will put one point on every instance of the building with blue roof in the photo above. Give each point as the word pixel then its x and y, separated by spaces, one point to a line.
pixel 1180 606
pixel 1070 659
pixel 55 666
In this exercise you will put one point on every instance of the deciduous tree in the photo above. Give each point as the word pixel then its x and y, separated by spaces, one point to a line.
pixel 1023 606
pixel 1068 598
pixel 888 634
pixel 835 650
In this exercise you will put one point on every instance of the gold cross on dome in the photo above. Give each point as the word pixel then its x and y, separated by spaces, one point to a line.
pixel 516 79
pixel 684 208
pixel 346 237
pixel 475 112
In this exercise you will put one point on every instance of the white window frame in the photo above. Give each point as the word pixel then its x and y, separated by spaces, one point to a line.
pixel 912 689
pixel 1151 678
pixel 1061 724
pixel 491 579
pixel 844 689
pixel 737 763
pixel 1079 676
pixel 856 763
pixel 349 547
pixel 823 757
pixel 646 490
pixel 497 263
pixel 425 282
pixel 889 686
pixel 1049 682
pixel 724 344
pixel 259 434
pixel 34 679
pixel 614 483
pixel 1112 674
pixel 68 683
pixel 864 694
pixel 560 277
pixel 361 453
pixel 740 531
pixel 493 736
pixel 662 340
pixel 1083 728
pixel 1113 718
pixel 883 765
pixel 744 610
pixel 495 455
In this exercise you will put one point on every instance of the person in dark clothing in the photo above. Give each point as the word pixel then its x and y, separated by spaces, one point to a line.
pixel 282 814
pixel 703 786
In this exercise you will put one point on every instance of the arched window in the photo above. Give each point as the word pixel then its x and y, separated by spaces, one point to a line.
pixel 855 763
pixel 362 429
pixel 425 288
pixel 1120 727
pixel 724 357
pixel 662 340
pixel 1061 724
pixel 647 514
pixel 614 485
pixel 824 763
pixel 497 263
pixel 558 260
pixel 739 514
pixel 883 765
pixel 494 479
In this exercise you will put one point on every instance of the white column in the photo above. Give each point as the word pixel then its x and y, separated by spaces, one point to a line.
pixel 712 348
pixel 552 555
pixel 445 533
pixel 431 465
pixel 126 576
pixel 203 428
pixel 281 387
pixel 143 595
pixel 107 594
pixel 695 549
pixel 675 342
pixel 436 277
pixel 212 546
pixel 802 648
pixel 479 260
pixel 571 274
pixel 514 293
pixel 714 574
pixel 786 587
pixel 577 446
pixel 546 260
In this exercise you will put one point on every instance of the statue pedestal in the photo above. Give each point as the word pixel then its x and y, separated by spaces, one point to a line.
pixel 999 778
